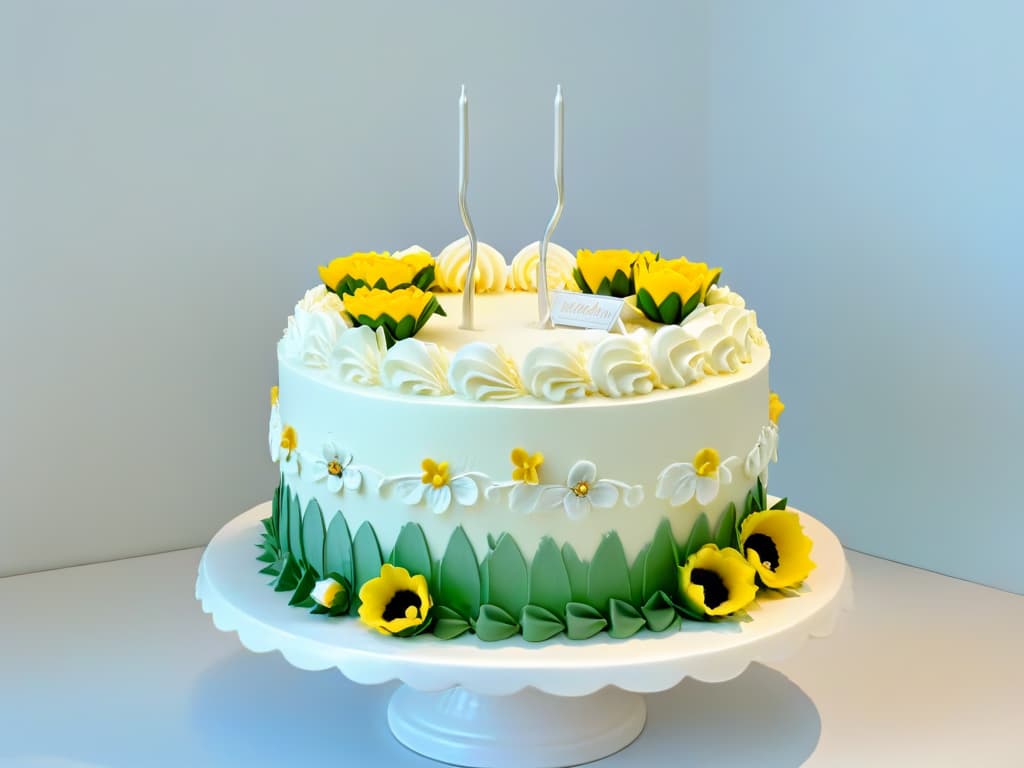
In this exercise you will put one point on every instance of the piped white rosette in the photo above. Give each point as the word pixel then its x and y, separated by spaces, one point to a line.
pixel 413 367
pixel 522 275
pixel 482 371
pixel 726 334
pixel 557 373
pixel 620 366
pixel 453 265
pixel 314 328
pixel 581 493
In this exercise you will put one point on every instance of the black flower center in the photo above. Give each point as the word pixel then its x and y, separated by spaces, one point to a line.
pixel 399 603
pixel 715 592
pixel 765 548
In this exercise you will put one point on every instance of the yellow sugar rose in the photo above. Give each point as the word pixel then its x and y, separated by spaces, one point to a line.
pixel 609 272
pixel 668 291
pixel 399 313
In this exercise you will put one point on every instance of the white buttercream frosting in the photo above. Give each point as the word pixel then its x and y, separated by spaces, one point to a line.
pixel 453 265
pixel 359 353
pixel 722 294
pixel 313 330
pixel 522 275
pixel 412 249
pixel 415 367
pixel 620 367
pixel 723 352
pixel 557 373
pixel 482 371
pixel 677 356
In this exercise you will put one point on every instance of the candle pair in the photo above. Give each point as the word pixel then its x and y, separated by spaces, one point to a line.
pixel 543 299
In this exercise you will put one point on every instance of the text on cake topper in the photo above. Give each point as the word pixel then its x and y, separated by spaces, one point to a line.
pixel 585 310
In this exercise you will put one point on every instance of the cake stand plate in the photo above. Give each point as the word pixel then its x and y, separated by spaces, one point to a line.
pixel 514 703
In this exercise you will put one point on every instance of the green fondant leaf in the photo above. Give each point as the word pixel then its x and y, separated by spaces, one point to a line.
pixel 295 528
pixel 267 556
pixel 491 543
pixel 748 507
pixel 761 496
pixel 621 284
pixel 460 576
pixel 625 619
pixel 578 277
pixel 447 623
pixel 338 549
pixel 284 525
pixel 304 587
pixel 780 504
pixel 508 582
pixel 550 586
pixel 275 568
pixel 659 612
pixel 539 624
pixel 275 508
pixel 583 621
pixel 661 566
pixel 604 288
pixel 485 579
pixel 344 599
pixel 411 551
pixel 494 623
pixel 645 303
pixel 725 533
pixel 700 535
pixel 578 571
pixel 405 327
pixel 636 577
pixel 288 578
pixel 670 310
pixel 424 278
pixel 313 536
pixel 689 306
pixel 609 573
pixel 366 560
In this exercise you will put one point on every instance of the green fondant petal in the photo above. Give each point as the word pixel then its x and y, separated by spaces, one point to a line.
pixel 670 310
pixel 583 621
pixel 578 571
pixel 626 620
pixel 288 578
pixel 550 584
pixel 539 624
pixel 636 576
pixel 609 573
pixel 645 303
pixel 700 535
pixel 659 612
pixel 304 587
pixel 338 549
pixel 460 576
pixel 275 509
pixel 313 535
pixel 660 568
pixel 494 623
pixel 780 504
pixel 725 533
pixel 578 277
pixel 284 523
pixel 621 285
pixel 508 582
pixel 295 527
pixel 689 306
pixel 366 560
pixel 448 624
pixel 411 551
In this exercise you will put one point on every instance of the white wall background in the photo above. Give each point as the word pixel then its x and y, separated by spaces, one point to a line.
pixel 172 173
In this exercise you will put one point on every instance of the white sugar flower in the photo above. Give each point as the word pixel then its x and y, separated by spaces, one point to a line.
pixel 288 450
pixel 335 467
pixel 704 477
pixel 274 435
pixel 437 487
pixel 764 451
pixel 582 492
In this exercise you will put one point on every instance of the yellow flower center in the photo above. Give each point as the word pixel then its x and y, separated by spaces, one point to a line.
pixel 706 462
pixel 582 488
pixel 289 440
pixel 435 474
pixel 334 468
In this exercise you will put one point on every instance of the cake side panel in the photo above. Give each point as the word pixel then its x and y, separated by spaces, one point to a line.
pixel 630 442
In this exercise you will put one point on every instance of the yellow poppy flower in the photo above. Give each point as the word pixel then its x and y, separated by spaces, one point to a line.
pixel 374 270
pixel 717 582
pixel 609 272
pixel 775 544
pixel 395 603
pixel 526 466
pixel 668 291
pixel 775 407
pixel 400 313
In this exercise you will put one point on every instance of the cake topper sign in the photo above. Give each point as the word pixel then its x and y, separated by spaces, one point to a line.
pixel 543 299
pixel 585 310
pixel 470 287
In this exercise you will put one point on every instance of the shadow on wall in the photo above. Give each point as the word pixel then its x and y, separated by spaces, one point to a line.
pixel 260 711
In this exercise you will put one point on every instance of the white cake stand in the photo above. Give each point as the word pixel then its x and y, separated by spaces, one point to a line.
pixel 513 703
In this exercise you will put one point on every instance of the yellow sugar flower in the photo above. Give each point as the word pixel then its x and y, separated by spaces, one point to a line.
pixel 775 407
pixel 706 462
pixel 435 474
pixel 775 544
pixel 609 272
pixel 400 313
pixel 288 453
pixel 717 582
pixel 274 392
pixel 668 291
pixel 526 466
pixel 289 439
pixel 374 270
pixel 396 602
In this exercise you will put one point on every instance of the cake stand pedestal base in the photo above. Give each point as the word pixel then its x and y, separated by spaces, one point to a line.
pixel 531 728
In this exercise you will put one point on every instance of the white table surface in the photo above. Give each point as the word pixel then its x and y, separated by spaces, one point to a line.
pixel 115 664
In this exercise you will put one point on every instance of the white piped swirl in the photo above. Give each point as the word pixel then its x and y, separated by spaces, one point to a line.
pixel 415 367
pixel 359 354
pixel 677 356
pixel 522 275
pixel 557 373
pixel 313 330
pixel 482 371
pixel 619 367
pixel 453 265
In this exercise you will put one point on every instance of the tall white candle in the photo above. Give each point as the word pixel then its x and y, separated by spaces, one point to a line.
pixel 543 297
pixel 470 287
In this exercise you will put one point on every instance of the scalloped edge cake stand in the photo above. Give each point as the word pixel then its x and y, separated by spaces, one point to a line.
pixel 513 703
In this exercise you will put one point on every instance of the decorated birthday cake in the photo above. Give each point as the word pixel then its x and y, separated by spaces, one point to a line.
pixel 452 461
